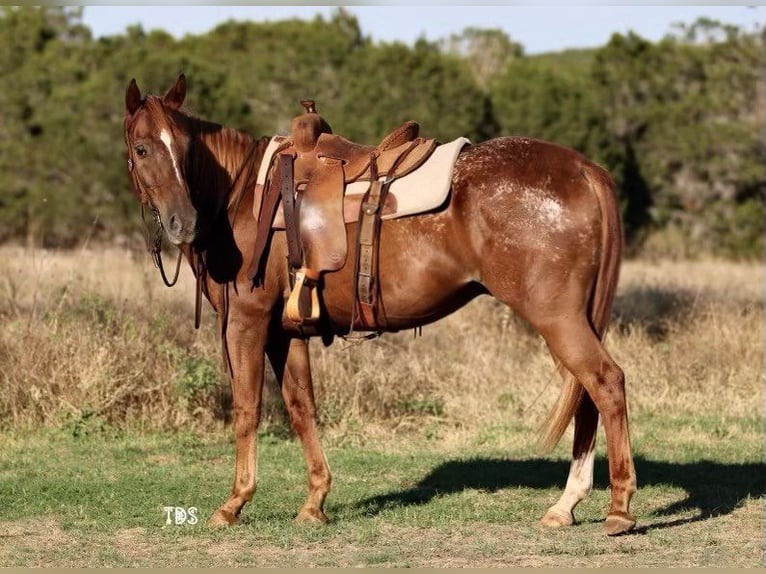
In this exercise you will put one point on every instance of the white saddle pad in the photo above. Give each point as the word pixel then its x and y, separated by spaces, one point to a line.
pixel 424 189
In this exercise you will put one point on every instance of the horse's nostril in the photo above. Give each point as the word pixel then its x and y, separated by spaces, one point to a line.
pixel 175 224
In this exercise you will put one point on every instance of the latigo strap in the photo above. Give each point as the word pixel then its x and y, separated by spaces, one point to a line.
pixel 287 187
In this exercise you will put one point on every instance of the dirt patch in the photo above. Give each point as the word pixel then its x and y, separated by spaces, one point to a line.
pixel 31 537
pixel 132 543
pixel 225 550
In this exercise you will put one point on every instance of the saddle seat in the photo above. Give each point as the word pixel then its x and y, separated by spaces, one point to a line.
pixel 314 142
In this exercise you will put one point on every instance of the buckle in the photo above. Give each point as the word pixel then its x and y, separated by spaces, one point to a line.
pixel 370 208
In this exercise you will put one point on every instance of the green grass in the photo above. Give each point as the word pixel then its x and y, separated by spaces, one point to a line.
pixel 97 497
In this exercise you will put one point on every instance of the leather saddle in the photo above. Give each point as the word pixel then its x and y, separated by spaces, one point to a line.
pixel 309 171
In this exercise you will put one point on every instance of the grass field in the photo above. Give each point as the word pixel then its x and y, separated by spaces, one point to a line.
pixel 115 408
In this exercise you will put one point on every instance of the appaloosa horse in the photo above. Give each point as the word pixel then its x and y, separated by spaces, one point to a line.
pixel 531 223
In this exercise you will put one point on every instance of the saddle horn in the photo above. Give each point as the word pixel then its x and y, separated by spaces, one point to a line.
pixel 307 127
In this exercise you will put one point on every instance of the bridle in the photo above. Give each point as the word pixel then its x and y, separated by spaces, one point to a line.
pixel 154 244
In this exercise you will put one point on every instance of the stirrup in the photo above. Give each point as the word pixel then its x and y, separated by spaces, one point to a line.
pixel 303 303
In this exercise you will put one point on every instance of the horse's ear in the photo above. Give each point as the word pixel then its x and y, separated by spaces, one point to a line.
pixel 132 97
pixel 175 95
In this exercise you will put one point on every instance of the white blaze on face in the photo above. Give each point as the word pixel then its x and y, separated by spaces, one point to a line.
pixel 167 139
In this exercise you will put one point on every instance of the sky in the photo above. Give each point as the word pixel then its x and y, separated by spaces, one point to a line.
pixel 537 28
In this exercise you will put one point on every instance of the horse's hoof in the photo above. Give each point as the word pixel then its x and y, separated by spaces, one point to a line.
pixel 222 518
pixel 619 523
pixel 311 516
pixel 555 518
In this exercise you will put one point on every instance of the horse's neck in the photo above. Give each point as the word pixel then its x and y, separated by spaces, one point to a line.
pixel 223 166
pixel 228 146
pixel 219 159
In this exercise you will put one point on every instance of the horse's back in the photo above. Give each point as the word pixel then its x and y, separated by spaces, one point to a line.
pixel 525 162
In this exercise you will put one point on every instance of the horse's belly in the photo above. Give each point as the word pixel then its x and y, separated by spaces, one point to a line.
pixel 423 273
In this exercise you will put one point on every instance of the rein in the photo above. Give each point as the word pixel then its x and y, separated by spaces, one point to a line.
pixel 154 245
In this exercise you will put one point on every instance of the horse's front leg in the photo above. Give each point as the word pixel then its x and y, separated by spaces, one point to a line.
pixel 289 357
pixel 246 341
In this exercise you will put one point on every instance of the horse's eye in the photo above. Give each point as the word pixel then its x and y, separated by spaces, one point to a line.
pixel 140 151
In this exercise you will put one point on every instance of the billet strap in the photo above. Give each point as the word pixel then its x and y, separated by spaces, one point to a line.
pixel 367 233
pixel 366 262
pixel 368 240
pixel 287 189
pixel 368 245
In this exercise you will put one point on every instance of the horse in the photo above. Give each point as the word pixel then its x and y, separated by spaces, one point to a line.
pixel 531 223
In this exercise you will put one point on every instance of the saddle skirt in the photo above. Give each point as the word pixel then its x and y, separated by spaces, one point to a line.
pixel 422 190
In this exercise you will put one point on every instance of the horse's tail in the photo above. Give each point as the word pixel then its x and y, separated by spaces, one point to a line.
pixel 602 297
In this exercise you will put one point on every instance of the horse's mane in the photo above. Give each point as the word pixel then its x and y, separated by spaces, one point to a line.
pixel 219 155
pixel 216 156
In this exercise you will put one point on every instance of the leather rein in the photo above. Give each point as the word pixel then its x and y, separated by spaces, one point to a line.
pixel 154 244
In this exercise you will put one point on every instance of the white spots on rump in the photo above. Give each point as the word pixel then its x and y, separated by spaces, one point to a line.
pixel 547 209
pixel 539 207
pixel 167 139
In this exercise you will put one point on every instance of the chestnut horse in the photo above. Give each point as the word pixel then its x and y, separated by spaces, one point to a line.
pixel 533 224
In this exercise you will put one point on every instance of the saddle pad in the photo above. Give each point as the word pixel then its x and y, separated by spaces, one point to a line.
pixel 424 189
pixel 268 156
pixel 263 172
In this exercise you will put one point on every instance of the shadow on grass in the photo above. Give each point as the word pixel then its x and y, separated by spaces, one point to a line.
pixel 712 488
pixel 655 309
pixel 652 308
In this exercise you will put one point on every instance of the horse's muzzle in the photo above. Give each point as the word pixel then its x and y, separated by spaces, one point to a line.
pixel 180 230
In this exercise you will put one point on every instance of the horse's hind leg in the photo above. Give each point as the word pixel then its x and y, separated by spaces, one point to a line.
pixel 574 343
pixel 290 358
pixel 580 480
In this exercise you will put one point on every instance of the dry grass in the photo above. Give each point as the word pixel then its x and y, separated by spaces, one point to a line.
pixel 94 336
pixel 89 337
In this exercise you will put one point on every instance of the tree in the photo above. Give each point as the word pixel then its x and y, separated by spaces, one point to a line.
pixel 386 84
pixel 486 51
pixel 40 60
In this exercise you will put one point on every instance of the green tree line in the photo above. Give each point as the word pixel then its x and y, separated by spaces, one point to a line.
pixel 679 122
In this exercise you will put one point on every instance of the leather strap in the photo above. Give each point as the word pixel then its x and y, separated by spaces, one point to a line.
pixel 268 211
pixel 367 233
pixel 200 272
pixel 369 238
pixel 287 188
pixel 369 223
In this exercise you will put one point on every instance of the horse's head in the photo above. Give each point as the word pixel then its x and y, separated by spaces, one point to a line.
pixel 158 141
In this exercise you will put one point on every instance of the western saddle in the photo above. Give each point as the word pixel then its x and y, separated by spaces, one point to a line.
pixel 309 171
